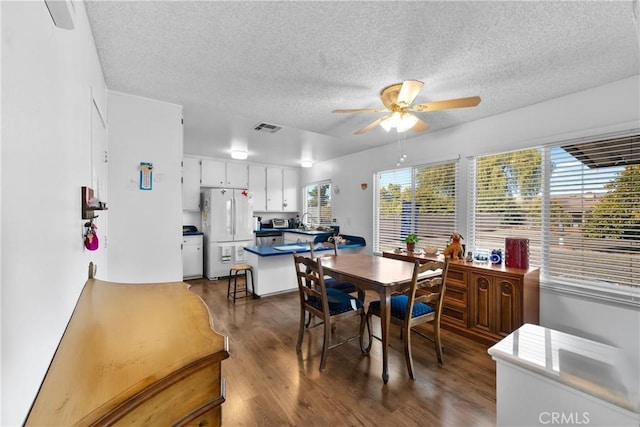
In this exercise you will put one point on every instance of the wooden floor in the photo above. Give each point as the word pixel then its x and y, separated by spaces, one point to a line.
pixel 270 384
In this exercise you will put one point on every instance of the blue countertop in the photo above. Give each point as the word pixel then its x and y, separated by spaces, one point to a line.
pixel 294 230
pixel 270 250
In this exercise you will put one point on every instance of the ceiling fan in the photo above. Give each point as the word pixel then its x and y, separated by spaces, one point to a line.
pixel 397 99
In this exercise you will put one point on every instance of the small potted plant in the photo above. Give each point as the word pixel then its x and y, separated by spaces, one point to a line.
pixel 411 241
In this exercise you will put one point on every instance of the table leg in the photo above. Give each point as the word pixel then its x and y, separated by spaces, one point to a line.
pixel 385 316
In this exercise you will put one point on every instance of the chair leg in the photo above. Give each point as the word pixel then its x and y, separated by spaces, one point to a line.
pixel 303 314
pixel 364 321
pixel 308 321
pixel 325 343
pixel 246 284
pixel 436 336
pixel 407 353
pixel 235 286
pixel 229 284
pixel 368 349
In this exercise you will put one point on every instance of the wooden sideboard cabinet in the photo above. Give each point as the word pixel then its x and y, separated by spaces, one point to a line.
pixel 135 354
pixel 483 301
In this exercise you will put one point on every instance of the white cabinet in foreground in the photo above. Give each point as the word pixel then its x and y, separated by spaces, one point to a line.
pixel 548 377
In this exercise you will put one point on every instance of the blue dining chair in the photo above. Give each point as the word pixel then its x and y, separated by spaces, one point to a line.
pixel 328 305
pixel 423 301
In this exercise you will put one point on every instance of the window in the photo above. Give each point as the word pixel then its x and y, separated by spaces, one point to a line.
pixel 318 204
pixel 577 202
pixel 420 199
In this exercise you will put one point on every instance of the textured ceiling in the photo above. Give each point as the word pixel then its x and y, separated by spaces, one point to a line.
pixel 235 64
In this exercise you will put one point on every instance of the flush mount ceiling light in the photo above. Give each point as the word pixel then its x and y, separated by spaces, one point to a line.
pixel 239 154
pixel 306 163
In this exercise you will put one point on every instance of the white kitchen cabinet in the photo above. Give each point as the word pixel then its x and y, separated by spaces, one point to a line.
pixel 213 173
pixel 274 189
pixel 190 184
pixel 237 175
pixel 282 189
pixel 290 190
pixel 192 258
pixel 218 173
pixel 258 187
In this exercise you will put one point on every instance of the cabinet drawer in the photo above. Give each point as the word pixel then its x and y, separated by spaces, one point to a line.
pixel 456 296
pixel 457 277
pixel 213 417
pixel 184 391
pixel 454 315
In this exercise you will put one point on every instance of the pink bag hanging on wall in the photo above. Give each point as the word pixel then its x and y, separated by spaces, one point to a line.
pixel 91 238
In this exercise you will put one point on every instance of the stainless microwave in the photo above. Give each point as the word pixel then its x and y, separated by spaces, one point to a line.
pixel 280 223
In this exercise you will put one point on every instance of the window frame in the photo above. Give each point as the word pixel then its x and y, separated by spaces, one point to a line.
pixel 417 221
pixel 321 220
pixel 619 293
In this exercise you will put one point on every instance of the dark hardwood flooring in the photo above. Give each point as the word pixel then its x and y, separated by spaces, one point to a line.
pixel 269 384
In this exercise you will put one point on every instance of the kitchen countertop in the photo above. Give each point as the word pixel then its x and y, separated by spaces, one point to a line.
pixel 270 250
pixel 592 367
pixel 294 230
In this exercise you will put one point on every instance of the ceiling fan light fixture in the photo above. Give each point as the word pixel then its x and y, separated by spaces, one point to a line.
pixel 401 121
pixel 239 154
pixel 406 122
pixel 386 124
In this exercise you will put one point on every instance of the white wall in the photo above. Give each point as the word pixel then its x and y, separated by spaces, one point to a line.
pixel 145 227
pixel 48 75
pixel 610 107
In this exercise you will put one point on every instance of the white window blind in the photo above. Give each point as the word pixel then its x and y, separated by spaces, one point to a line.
pixel 505 191
pixel 318 204
pixel 578 202
pixel 419 200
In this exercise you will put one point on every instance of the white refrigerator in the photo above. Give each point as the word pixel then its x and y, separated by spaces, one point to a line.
pixel 227 224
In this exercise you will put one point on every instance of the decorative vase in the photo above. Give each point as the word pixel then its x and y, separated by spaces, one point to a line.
pixel 411 247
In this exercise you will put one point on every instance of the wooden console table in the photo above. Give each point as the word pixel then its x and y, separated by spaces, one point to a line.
pixel 135 354
pixel 483 301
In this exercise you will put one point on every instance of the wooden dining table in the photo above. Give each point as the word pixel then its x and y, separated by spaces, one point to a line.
pixel 385 276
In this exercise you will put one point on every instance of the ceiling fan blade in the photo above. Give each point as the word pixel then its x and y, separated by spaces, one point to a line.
pixel 370 126
pixel 408 92
pixel 420 126
pixel 471 101
pixel 361 110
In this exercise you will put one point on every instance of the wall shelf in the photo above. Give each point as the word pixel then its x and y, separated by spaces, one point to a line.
pixel 88 211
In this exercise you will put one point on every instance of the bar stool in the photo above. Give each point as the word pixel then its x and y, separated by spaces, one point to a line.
pixel 234 271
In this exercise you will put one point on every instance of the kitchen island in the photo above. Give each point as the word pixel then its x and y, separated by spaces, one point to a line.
pixel 273 269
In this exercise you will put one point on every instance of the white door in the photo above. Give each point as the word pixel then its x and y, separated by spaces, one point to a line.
pixel 243 206
pixel 99 184
pixel 220 215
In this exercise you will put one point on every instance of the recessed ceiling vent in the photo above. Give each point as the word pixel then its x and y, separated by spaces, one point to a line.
pixel 268 128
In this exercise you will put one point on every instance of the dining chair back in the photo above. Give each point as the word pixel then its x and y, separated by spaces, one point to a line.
pixel 330 282
pixel 328 305
pixel 422 303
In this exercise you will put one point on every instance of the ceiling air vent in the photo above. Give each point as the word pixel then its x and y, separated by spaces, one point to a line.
pixel 266 127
